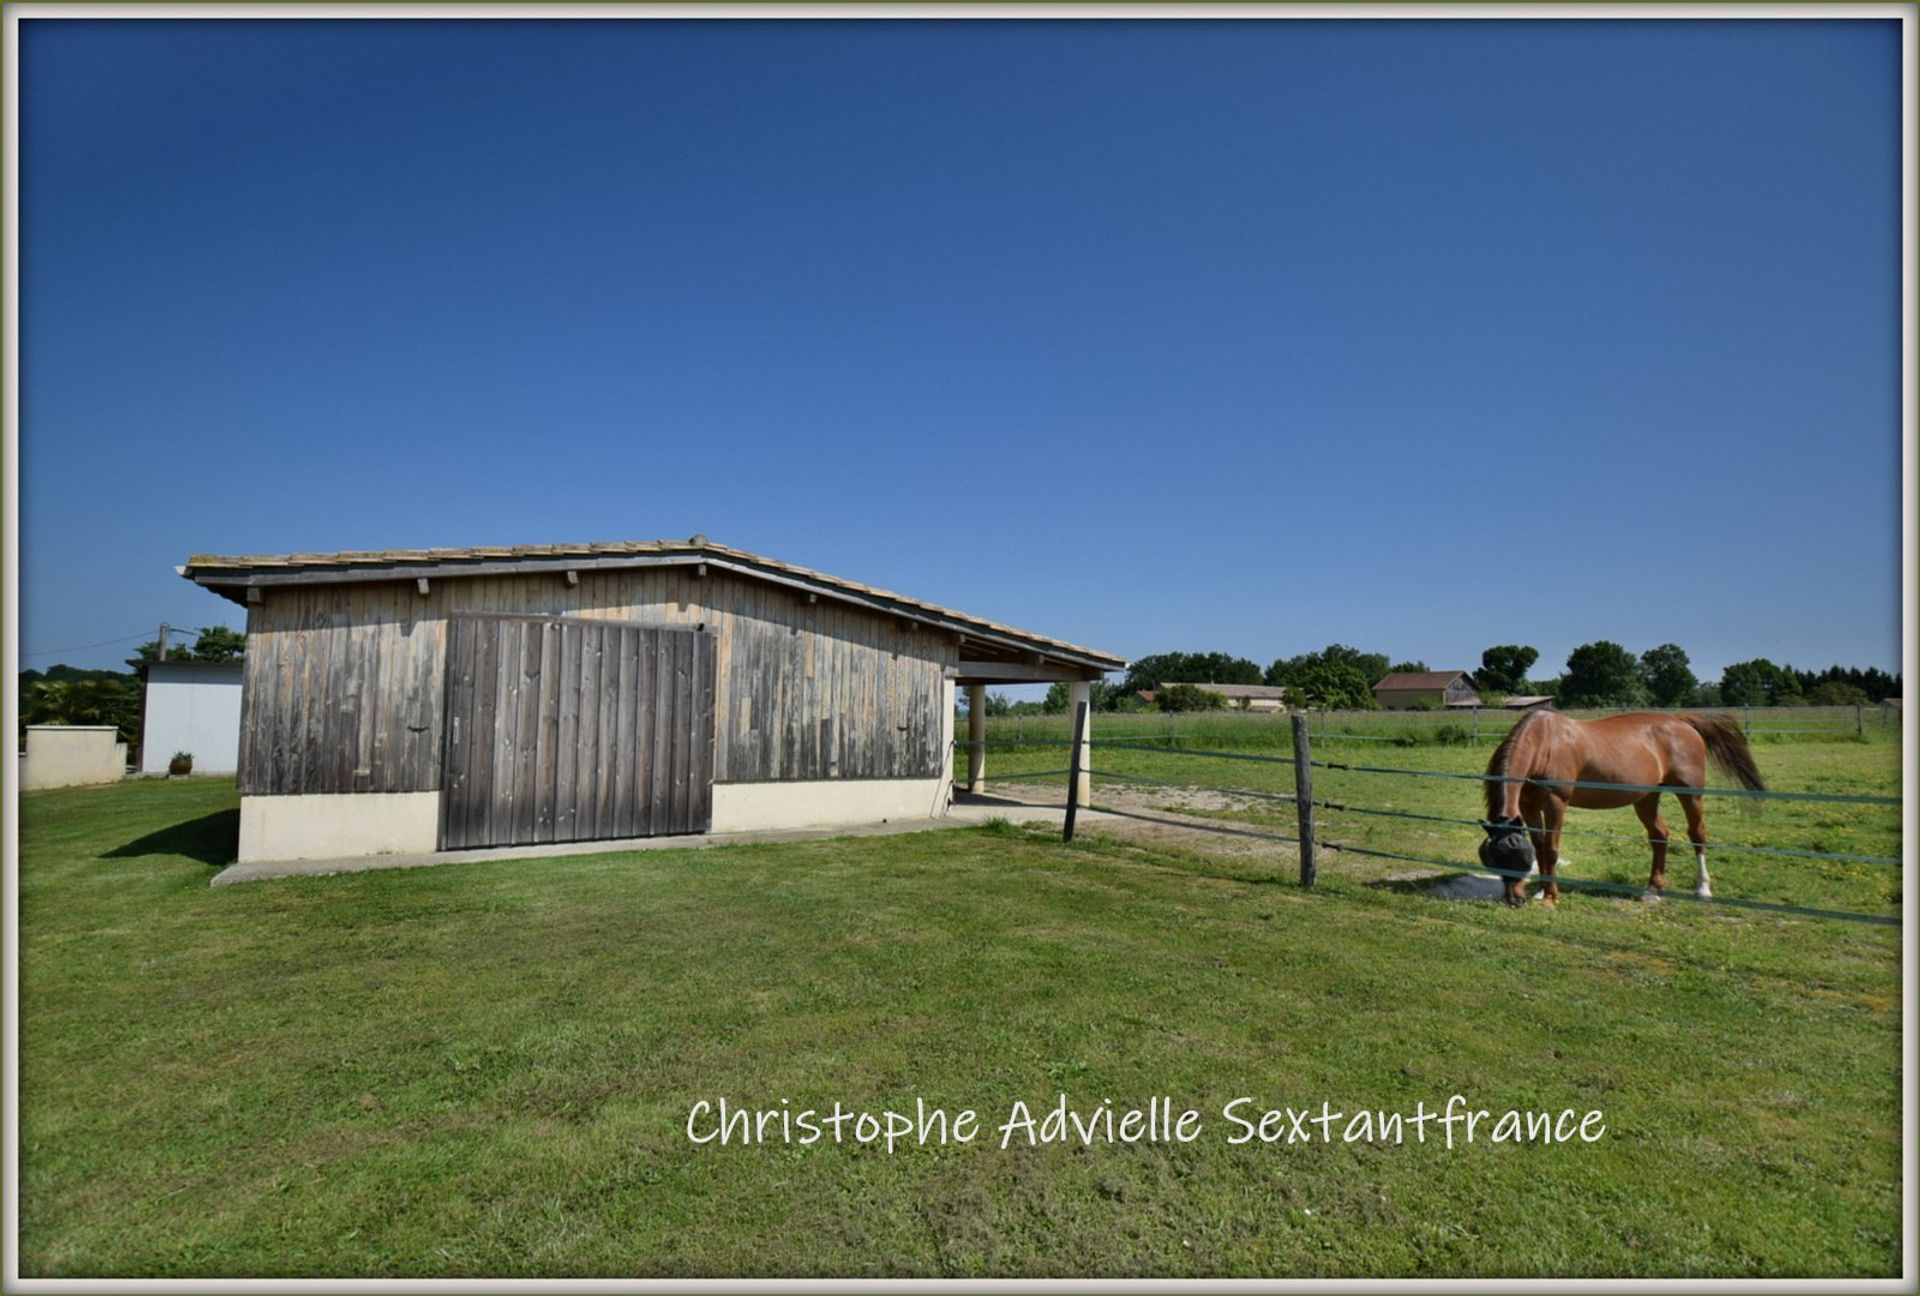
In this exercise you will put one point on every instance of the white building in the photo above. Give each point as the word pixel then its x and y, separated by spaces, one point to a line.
pixel 190 706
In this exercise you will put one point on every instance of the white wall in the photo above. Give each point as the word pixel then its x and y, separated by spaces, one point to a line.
pixel 72 756
pixel 331 825
pixel 192 707
pixel 826 803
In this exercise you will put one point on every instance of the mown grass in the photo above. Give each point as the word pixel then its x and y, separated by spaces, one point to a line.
pixel 485 1068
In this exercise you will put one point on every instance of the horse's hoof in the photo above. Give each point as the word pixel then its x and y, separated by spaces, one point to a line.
pixel 1650 895
pixel 1705 893
pixel 1551 902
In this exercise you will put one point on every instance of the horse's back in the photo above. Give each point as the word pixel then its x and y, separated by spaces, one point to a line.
pixel 1643 748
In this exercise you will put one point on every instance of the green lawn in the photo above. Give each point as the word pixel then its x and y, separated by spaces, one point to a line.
pixel 485 1068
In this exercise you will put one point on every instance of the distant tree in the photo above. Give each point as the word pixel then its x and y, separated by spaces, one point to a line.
pixel 176 651
pixel 1152 671
pixel 1758 683
pixel 1188 697
pixel 1504 667
pixel 219 644
pixel 210 643
pixel 1409 667
pixel 998 705
pixel 1874 682
pixel 1667 676
pixel 1601 674
pixel 1286 671
pixel 1101 696
pixel 1331 684
pixel 1837 693
pixel 114 700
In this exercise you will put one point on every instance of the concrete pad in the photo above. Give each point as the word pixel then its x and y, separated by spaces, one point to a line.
pixel 967 811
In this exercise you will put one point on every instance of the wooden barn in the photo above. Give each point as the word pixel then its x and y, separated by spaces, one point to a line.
pixel 422 700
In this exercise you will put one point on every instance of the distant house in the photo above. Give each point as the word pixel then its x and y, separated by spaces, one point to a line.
pixel 1407 690
pixel 1528 701
pixel 190 706
pixel 1238 697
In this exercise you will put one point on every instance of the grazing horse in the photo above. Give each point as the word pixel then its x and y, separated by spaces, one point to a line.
pixel 1641 749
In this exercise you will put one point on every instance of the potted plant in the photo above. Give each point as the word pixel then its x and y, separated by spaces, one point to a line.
pixel 181 765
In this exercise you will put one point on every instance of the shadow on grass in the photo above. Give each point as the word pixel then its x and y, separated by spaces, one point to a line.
pixel 1443 886
pixel 212 839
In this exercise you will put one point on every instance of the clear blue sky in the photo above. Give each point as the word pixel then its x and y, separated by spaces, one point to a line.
pixel 1251 336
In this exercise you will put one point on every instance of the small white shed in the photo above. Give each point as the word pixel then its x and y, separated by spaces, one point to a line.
pixel 190 706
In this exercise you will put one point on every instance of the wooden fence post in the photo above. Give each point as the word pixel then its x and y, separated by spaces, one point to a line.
pixel 1073 775
pixel 1859 721
pixel 1303 796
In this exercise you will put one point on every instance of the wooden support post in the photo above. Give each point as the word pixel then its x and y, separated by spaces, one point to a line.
pixel 165 631
pixel 1476 725
pixel 1859 721
pixel 1303 797
pixel 976 738
pixel 1080 697
pixel 1075 769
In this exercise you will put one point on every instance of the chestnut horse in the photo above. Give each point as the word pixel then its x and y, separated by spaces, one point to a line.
pixel 1645 750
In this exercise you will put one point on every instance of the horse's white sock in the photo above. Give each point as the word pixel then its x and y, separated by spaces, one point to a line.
pixel 1702 885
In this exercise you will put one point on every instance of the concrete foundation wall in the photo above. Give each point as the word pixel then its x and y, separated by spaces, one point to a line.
pixel 830 803
pixel 331 824
pixel 72 756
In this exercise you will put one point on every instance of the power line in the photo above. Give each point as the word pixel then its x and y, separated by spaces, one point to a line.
pixel 104 643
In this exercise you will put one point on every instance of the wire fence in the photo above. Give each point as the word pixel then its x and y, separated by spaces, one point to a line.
pixel 1312 837
pixel 1463 726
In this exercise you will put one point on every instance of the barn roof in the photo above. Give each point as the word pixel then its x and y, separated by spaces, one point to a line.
pixel 1417 680
pixel 232 576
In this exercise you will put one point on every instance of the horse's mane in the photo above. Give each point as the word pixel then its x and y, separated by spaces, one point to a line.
pixel 1498 763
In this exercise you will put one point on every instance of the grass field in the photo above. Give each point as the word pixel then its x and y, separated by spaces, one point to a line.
pixel 486 1068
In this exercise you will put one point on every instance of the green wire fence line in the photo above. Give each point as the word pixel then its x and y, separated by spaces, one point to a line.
pixel 1289 797
pixel 1198 827
pixel 1342 808
pixel 1842 915
pixel 1834 798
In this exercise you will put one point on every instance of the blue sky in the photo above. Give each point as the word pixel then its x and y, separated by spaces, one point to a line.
pixel 1251 336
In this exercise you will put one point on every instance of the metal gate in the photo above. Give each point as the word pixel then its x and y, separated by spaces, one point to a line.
pixel 565 729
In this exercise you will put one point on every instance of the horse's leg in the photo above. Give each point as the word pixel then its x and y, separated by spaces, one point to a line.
pixel 1695 806
pixel 1533 813
pixel 1556 814
pixel 1648 808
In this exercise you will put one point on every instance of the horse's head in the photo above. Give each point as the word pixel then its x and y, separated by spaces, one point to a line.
pixel 1508 849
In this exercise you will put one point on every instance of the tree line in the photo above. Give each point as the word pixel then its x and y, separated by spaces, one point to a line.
pixel 1597 674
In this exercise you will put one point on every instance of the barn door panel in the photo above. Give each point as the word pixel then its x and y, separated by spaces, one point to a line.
pixel 564 729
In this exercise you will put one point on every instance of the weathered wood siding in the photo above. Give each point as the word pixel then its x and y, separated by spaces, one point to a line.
pixel 342 692
pixel 345 685
pixel 569 729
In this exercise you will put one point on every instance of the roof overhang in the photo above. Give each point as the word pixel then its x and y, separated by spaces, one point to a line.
pixel 984 645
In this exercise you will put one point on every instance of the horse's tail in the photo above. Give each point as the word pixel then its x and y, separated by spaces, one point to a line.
pixel 1728 748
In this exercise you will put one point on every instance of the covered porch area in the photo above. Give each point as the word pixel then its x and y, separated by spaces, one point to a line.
pixel 977 671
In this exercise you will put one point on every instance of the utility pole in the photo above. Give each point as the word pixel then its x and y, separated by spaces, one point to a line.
pixel 165 630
